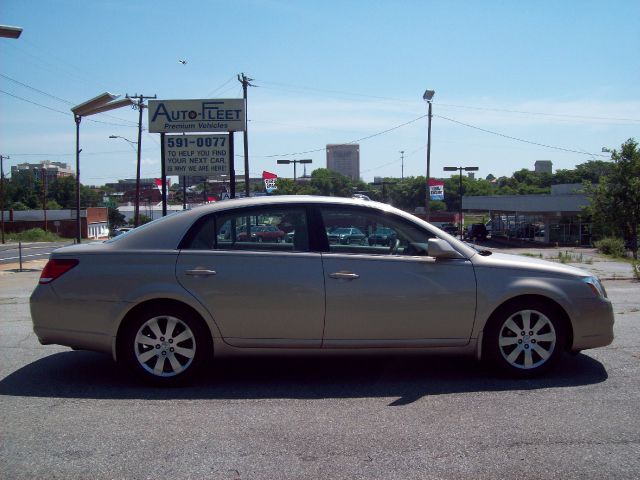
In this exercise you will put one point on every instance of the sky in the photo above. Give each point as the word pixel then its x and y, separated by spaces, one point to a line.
pixel 516 81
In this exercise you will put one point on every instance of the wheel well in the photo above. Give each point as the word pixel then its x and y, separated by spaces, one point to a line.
pixel 539 299
pixel 157 303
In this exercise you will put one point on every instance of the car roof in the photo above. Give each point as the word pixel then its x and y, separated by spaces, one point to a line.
pixel 166 233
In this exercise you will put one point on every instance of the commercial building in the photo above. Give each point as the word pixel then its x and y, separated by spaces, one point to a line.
pixel 49 170
pixel 344 159
pixel 543 166
pixel 93 222
pixel 550 218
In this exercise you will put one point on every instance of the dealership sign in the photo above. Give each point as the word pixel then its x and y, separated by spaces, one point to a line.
pixel 213 115
pixel 270 180
pixel 194 155
pixel 436 189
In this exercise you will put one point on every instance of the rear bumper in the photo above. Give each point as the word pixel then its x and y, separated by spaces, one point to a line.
pixel 73 325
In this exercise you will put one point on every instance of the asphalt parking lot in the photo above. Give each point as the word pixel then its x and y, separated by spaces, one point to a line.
pixel 73 414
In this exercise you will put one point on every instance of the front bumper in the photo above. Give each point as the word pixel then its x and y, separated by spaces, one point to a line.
pixel 593 325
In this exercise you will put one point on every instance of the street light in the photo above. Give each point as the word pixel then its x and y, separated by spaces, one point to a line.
pixel 286 162
pixel 130 142
pixel 428 97
pixel 6 32
pixel 466 169
pixel 137 200
pixel 10 32
pixel 102 103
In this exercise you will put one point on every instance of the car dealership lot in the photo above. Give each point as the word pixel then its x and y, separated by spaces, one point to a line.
pixel 72 414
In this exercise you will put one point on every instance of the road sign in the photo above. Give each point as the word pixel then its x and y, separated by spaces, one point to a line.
pixel 195 155
pixel 213 115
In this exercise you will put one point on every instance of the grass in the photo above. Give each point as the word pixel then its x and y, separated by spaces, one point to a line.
pixel 34 235
pixel 532 255
pixel 570 257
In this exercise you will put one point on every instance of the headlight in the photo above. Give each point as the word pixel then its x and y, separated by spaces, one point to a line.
pixel 596 287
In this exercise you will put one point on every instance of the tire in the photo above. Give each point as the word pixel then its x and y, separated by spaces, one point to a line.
pixel 165 345
pixel 525 338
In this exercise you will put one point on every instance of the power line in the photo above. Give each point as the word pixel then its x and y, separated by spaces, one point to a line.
pixel 64 113
pixel 520 139
pixel 377 97
pixel 232 78
pixel 35 89
pixel 545 114
pixel 66 154
pixel 42 92
pixel 352 141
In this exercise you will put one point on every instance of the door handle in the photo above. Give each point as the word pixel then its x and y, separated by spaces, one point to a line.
pixel 200 272
pixel 344 275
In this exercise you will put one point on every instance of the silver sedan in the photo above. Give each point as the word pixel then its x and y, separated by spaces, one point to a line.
pixel 172 293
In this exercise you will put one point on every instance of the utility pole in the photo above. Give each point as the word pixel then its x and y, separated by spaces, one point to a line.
pixel 402 164
pixel 44 196
pixel 246 82
pixel 2 158
pixel 140 106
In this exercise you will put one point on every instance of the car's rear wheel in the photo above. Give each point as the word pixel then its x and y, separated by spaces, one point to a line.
pixel 165 345
pixel 525 338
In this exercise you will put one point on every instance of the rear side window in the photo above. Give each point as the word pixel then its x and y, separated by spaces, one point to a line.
pixel 265 229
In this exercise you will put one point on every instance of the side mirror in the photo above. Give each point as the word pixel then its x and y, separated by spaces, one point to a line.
pixel 440 248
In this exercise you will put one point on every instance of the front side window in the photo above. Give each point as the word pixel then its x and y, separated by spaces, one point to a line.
pixel 360 231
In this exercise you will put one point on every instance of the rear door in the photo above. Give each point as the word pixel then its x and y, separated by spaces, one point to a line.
pixel 260 294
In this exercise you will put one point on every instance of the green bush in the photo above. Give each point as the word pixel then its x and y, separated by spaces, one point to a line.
pixel 636 269
pixel 34 235
pixel 611 246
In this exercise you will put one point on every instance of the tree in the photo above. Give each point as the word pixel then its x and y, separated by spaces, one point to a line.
pixel 408 193
pixel 615 201
pixel 116 219
pixel 22 189
pixel 63 191
pixel 53 205
pixel 328 182
pixel 286 186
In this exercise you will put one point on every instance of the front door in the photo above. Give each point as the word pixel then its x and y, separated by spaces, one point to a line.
pixel 389 292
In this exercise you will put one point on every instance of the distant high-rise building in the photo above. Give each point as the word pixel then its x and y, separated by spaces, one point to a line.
pixel 344 159
pixel 51 170
pixel 544 166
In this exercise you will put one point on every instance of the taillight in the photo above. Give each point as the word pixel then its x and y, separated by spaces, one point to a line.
pixel 55 268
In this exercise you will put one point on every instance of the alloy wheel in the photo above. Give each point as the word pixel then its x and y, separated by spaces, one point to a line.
pixel 165 346
pixel 527 339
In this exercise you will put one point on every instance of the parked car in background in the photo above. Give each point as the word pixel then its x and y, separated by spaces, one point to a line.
pixel 346 236
pixel 119 231
pixel 263 233
pixel 451 229
pixel 174 292
pixel 382 236
pixel 477 231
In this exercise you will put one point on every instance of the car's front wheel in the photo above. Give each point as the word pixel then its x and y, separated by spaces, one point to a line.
pixel 164 345
pixel 525 338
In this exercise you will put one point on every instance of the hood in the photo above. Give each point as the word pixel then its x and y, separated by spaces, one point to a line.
pixel 505 260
